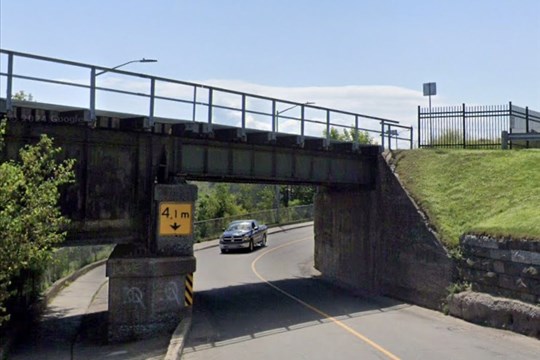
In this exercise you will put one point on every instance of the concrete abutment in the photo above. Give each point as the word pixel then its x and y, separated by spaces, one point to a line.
pixel 376 241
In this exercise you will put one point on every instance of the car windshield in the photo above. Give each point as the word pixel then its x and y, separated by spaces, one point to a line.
pixel 239 226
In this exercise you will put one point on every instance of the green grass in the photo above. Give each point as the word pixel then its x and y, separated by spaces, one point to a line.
pixel 491 192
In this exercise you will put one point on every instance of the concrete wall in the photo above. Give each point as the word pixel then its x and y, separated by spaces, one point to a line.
pixel 376 241
pixel 346 246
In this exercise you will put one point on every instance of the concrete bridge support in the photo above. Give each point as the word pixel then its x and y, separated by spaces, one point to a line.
pixel 147 283
pixel 346 246
pixel 376 241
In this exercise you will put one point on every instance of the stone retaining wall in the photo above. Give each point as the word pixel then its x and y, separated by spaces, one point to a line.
pixel 502 267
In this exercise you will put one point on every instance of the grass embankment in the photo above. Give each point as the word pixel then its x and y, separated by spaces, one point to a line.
pixel 490 192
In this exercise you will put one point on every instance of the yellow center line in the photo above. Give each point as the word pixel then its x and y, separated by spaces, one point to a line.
pixel 313 308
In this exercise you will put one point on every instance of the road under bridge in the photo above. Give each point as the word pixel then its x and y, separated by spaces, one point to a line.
pixel 133 170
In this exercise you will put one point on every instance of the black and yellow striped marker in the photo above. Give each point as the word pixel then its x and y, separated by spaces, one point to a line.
pixel 188 292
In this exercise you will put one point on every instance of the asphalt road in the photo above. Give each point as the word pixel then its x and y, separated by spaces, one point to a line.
pixel 271 304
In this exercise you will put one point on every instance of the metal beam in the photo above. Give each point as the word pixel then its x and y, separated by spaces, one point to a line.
pixel 118 161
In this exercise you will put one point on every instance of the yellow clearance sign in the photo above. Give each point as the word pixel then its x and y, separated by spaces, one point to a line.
pixel 175 218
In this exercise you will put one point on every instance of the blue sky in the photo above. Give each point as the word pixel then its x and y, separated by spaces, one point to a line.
pixel 365 56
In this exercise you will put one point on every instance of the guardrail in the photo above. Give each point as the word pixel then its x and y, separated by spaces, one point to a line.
pixel 507 138
pixel 236 106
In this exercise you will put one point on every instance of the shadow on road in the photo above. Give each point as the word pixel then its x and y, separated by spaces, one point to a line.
pixel 240 313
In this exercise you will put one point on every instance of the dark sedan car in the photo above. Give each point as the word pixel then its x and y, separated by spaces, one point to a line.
pixel 243 234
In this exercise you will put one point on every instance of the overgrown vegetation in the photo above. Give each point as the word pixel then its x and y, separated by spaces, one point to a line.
pixel 30 219
pixel 490 192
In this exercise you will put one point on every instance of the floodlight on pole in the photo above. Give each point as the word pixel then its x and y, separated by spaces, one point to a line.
pixel 143 60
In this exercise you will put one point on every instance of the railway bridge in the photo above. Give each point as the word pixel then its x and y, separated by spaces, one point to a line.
pixel 133 170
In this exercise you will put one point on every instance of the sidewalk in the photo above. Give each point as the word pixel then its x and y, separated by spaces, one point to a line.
pixel 53 337
pixel 74 325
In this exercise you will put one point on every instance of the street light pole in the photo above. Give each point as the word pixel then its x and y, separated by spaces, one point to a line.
pixel 276 187
pixel 143 60
pixel 94 75
pixel 287 109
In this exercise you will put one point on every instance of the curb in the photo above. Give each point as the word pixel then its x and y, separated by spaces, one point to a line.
pixel 176 344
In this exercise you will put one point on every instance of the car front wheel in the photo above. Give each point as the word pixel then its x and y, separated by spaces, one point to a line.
pixel 251 247
pixel 264 241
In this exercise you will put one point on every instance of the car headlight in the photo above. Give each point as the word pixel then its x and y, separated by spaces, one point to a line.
pixel 246 237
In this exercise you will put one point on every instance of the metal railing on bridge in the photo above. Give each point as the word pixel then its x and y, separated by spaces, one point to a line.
pixel 169 100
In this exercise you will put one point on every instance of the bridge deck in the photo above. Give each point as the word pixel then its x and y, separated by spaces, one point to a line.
pixel 119 158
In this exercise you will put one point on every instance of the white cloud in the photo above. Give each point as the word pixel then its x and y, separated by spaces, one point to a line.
pixel 390 102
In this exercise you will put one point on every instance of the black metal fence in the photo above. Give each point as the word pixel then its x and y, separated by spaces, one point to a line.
pixel 474 126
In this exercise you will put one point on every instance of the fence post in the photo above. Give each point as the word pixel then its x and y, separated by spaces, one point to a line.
pixel 356 132
pixel 277 195
pixel 93 94
pixel 382 134
pixel 9 85
pixel 419 128
pixel 327 127
pixel 243 114
pixel 152 98
pixel 527 123
pixel 302 122
pixel 389 132
pixel 194 102
pixel 274 117
pixel 464 124
pixel 510 120
pixel 412 137
pixel 210 97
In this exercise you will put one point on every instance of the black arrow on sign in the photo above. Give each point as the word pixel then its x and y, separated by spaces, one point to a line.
pixel 175 226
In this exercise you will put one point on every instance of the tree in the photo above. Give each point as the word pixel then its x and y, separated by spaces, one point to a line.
pixel 30 218
pixel 218 202
pixel 253 197
pixel 21 95
pixel 362 137
pixel 301 194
